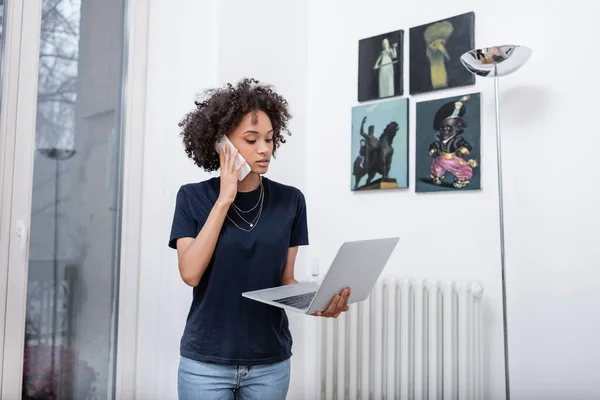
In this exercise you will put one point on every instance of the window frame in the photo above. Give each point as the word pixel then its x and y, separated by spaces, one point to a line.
pixel 17 136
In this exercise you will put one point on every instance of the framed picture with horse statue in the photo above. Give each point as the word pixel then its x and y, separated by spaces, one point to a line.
pixel 379 158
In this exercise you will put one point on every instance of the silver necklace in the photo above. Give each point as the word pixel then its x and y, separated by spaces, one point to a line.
pixel 249 223
pixel 256 219
pixel 260 195
pixel 252 225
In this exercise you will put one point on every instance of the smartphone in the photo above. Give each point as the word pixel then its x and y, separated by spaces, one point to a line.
pixel 226 145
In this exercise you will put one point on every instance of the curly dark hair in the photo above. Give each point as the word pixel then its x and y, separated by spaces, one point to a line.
pixel 221 111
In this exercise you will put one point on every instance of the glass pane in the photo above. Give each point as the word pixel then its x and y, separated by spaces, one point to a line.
pixel 73 259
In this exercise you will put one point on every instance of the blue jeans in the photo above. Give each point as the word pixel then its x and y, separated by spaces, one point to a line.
pixel 205 381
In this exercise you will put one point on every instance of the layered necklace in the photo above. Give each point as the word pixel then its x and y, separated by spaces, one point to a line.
pixel 251 224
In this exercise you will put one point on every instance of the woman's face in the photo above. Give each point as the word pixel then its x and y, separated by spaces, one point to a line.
pixel 386 44
pixel 253 138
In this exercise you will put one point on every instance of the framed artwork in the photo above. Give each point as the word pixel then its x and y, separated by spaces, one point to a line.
pixel 380 66
pixel 435 51
pixel 379 158
pixel 448 154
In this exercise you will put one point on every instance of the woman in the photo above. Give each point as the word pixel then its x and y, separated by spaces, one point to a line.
pixel 234 236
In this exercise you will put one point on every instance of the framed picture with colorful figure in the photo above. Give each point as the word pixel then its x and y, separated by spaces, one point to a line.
pixel 381 66
pixel 448 153
pixel 379 158
pixel 435 50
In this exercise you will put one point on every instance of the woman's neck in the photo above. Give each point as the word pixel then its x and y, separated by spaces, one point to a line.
pixel 249 183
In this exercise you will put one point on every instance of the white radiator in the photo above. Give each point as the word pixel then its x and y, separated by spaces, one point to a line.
pixel 411 339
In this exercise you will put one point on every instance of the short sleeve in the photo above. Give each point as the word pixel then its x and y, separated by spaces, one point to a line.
pixel 299 235
pixel 184 224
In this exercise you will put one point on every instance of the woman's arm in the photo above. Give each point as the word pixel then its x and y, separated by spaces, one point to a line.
pixel 287 278
pixel 195 254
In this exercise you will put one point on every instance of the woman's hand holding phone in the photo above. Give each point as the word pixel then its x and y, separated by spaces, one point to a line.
pixel 229 173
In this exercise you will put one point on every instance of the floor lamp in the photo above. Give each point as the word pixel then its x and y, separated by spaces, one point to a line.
pixel 495 62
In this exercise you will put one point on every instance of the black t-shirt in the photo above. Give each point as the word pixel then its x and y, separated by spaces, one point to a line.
pixel 222 326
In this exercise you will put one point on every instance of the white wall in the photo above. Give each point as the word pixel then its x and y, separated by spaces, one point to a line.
pixel 182 50
pixel 430 244
pixel 309 51
pixel 549 178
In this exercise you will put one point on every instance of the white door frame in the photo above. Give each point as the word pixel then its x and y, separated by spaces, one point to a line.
pixel 17 137
pixel 9 87
pixel 17 185
pixel 133 124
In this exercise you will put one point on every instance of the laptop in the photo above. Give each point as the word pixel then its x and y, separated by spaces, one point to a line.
pixel 357 265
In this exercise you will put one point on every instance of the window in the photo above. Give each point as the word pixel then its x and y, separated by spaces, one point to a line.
pixel 72 290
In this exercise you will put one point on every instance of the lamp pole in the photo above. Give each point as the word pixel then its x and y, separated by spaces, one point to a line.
pixel 56 154
pixel 498 61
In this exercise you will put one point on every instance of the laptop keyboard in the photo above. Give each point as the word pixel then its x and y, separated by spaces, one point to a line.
pixel 299 301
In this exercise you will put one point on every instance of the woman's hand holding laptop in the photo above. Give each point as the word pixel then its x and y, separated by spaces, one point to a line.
pixel 338 305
